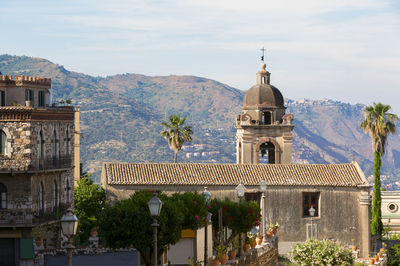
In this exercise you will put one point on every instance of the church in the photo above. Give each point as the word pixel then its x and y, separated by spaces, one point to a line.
pixel 339 193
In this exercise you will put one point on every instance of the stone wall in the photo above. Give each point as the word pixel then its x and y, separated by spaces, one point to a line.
pixel 23 138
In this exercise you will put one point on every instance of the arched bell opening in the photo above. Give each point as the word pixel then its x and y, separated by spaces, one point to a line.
pixel 267 153
pixel 266 118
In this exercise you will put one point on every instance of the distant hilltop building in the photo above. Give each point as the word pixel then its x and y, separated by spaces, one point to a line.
pixel 339 193
pixel 39 156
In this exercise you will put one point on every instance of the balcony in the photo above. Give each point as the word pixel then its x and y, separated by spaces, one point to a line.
pixel 12 165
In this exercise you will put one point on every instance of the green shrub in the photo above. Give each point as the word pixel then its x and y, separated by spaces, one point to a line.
pixel 394 255
pixel 325 252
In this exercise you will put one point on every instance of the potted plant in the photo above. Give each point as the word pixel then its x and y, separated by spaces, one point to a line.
pixel 234 245
pixel 354 246
pixel 371 261
pixel 38 233
pixel 274 228
pixel 221 253
pixel 193 262
pixel 269 233
pixel 252 239
pixel 215 261
pixel 259 239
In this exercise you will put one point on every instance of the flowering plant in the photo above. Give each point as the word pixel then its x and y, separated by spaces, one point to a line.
pixel 324 252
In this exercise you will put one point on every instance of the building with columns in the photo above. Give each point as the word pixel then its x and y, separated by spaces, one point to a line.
pixel 339 193
pixel 37 154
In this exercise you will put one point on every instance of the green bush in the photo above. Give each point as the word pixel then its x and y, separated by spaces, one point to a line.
pixel 325 252
pixel 394 255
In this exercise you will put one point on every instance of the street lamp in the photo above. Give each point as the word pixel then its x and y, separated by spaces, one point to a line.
pixel 312 213
pixel 263 188
pixel 207 195
pixel 240 189
pixel 69 225
pixel 155 205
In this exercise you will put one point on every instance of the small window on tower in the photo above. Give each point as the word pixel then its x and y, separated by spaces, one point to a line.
pixel 267 118
pixel 3 98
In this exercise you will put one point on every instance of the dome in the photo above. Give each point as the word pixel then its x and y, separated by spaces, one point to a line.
pixel 263 94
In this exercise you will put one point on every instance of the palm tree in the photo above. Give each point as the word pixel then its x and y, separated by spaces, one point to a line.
pixel 176 134
pixel 378 123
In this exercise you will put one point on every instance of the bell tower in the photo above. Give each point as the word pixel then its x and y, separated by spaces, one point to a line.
pixel 264 131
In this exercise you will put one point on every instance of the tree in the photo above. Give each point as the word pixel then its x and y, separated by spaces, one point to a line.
pixel 176 134
pixel 193 207
pixel 128 223
pixel 239 217
pixel 90 201
pixel 378 123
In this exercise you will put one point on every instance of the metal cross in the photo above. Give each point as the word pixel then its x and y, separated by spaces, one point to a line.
pixel 263 50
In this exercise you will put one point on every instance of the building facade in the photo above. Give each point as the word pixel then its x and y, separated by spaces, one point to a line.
pixel 391 210
pixel 339 193
pixel 36 162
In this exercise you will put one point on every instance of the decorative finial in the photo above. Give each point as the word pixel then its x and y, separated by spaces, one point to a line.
pixel 263 50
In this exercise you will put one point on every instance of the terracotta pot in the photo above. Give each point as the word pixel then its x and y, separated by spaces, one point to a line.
pixel 274 231
pixel 224 260
pixel 259 240
pixel 269 234
pixel 371 261
pixel 354 248
pixel 246 247
pixel 215 262
pixel 232 254
pixel 253 244
pixel 382 250
pixel 377 258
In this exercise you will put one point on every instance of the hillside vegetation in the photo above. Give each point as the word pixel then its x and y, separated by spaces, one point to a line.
pixel 121 116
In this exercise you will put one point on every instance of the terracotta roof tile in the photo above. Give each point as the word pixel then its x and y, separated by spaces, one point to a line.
pixel 181 174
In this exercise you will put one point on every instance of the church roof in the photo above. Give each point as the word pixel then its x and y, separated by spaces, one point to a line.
pixel 189 174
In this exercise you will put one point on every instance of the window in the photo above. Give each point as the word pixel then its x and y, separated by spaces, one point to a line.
pixel 392 207
pixel 310 199
pixel 267 118
pixel 3 143
pixel 256 196
pixel 68 189
pixel 67 143
pixel 29 95
pixel 54 144
pixel 41 199
pixel 3 196
pixel 41 99
pixel 55 195
pixel 41 145
pixel 3 98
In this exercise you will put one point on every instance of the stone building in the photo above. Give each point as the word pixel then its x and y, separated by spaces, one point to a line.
pixel 390 210
pixel 36 162
pixel 338 192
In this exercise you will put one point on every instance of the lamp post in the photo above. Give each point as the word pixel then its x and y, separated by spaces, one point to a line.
pixel 69 225
pixel 207 195
pixel 263 188
pixel 312 213
pixel 240 189
pixel 155 205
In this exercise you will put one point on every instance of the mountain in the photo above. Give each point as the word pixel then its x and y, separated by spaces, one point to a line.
pixel 121 116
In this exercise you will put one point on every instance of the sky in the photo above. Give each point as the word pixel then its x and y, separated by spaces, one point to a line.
pixel 346 50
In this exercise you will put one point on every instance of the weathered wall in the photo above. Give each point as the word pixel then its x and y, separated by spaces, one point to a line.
pixel 19 199
pixel 338 213
pixel 339 209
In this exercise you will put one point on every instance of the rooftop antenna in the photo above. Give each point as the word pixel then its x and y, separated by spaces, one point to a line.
pixel 262 57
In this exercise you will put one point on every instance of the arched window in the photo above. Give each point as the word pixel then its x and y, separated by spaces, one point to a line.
pixel 41 145
pixel 68 189
pixel 54 144
pixel 41 198
pixel 3 196
pixel 67 143
pixel 267 153
pixel 55 195
pixel 3 143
